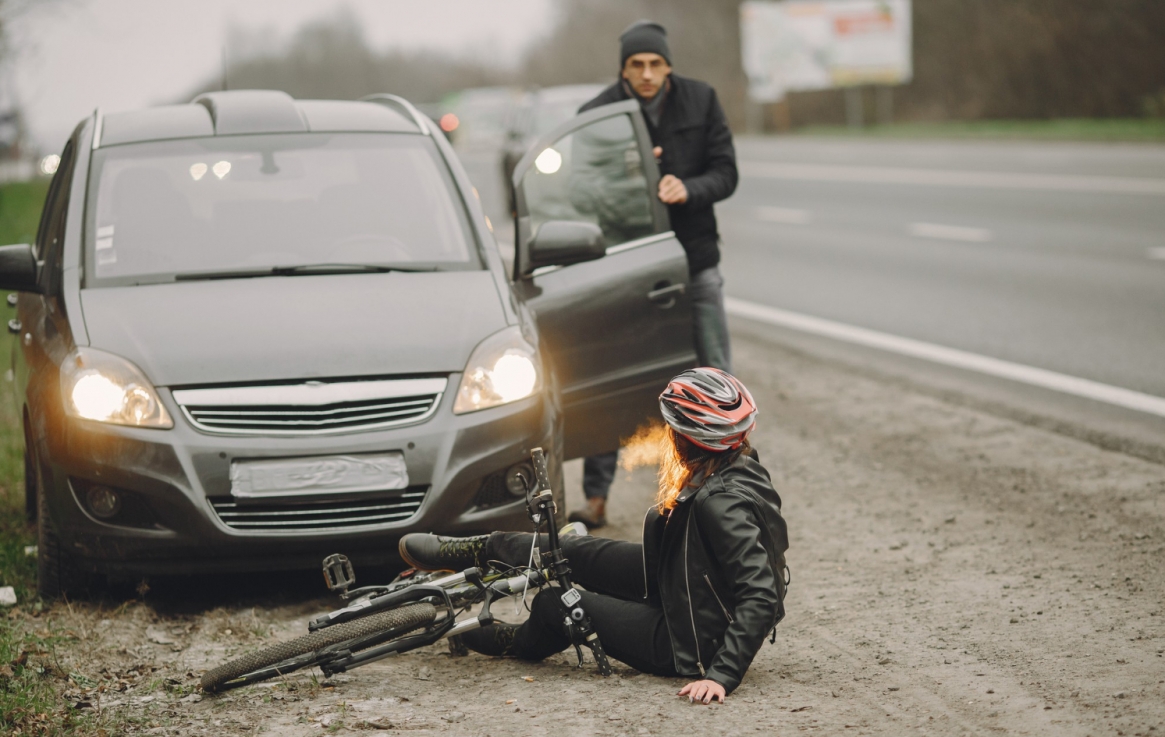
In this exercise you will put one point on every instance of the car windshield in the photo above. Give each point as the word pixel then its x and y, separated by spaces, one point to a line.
pixel 171 210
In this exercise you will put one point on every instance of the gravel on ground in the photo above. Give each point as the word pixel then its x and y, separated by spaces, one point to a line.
pixel 954 572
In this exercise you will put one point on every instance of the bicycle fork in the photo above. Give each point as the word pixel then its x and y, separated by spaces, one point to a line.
pixel 577 622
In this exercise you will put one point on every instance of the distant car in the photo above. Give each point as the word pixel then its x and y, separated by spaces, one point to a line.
pixel 539 112
pixel 255 330
pixel 480 116
pixel 442 116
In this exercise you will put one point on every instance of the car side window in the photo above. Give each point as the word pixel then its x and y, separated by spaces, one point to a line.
pixel 51 234
pixel 593 174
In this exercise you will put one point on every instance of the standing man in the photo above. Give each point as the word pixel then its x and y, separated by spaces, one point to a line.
pixel 698 162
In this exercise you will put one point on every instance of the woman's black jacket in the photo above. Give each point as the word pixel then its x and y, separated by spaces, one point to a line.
pixel 716 565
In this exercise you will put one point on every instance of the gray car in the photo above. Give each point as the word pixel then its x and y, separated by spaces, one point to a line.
pixel 254 330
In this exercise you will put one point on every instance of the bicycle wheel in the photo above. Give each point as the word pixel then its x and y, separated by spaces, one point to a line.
pixel 392 623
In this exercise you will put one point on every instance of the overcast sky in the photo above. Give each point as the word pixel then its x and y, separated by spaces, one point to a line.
pixel 75 55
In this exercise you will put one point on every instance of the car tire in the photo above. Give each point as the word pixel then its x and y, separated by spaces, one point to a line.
pixel 30 502
pixel 57 573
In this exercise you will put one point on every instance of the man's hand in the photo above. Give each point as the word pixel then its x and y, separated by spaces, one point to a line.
pixel 703 691
pixel 672 191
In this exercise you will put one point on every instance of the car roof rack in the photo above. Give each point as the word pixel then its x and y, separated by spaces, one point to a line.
pixel 98 120
pixel 383 98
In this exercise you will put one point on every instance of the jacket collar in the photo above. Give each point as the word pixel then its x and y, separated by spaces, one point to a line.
pixel 694 486
pixel 679 112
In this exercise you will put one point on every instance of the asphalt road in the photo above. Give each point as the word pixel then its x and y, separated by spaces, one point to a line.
pixel 1049 255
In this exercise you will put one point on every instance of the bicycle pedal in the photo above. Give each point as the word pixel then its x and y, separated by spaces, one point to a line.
pixel 338 573
pixel 457 647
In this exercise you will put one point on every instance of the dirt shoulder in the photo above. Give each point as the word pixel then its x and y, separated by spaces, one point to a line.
pixel 954 572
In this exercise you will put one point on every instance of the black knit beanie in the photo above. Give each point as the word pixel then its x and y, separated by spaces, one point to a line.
pixel 643 37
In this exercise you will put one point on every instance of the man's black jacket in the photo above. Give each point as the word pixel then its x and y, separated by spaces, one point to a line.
pixel 716 567
pixel 697 149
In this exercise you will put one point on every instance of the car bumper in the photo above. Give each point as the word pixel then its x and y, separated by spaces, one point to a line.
pixel 172 479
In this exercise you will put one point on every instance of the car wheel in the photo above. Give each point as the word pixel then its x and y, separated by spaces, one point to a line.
pixel 29 479
pixel 57 572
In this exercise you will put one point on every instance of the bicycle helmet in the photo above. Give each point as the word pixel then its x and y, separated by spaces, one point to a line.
pixel 709 407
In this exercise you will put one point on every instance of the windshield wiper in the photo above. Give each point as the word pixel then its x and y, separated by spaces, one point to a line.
pixel 300 270
pixel 342 268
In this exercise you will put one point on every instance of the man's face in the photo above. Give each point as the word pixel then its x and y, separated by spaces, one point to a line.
pixel 646 73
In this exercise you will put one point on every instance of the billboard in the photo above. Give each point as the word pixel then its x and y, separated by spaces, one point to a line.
pixel 797 45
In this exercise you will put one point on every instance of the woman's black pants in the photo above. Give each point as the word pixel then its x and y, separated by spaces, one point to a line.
pixel 611 571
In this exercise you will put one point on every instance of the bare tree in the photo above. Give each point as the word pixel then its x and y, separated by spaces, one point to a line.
pixel 330 58
pixel 704 37
pixel 980 59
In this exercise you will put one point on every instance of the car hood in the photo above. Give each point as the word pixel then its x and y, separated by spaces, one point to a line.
pixel 303 327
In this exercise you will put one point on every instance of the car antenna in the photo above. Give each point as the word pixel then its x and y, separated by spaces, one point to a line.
pixel 224 67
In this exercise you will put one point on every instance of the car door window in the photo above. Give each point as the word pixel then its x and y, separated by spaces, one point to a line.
pixel 612 343
pixel 51 235
pixel 593 174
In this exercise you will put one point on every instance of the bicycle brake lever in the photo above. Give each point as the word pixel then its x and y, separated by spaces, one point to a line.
pixel 473 576
pixel 486 617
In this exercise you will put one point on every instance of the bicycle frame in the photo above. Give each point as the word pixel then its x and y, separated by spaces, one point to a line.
pixel 458 586
pixel 498 588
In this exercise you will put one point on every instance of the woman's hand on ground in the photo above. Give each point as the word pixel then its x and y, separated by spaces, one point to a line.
pixel 703 691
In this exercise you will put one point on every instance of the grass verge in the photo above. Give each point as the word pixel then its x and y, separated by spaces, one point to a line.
pixel 1144 130
pixel 20 205
pixel 33 681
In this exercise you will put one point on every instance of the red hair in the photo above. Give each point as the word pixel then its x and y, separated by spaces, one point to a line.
pixel 681 460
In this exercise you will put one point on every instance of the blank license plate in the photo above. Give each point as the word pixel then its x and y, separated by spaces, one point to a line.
pixel 284 477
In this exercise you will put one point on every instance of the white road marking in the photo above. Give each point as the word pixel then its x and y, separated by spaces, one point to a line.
pixel 951 178
pixel 949 356
pixel 784 215
pixel 950 232
pixel 1156 253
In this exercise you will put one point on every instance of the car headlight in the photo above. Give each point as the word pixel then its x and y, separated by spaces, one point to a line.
pixel 503 368
pixel 106 388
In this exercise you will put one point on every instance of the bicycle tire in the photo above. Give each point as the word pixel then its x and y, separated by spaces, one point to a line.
pixel 393 623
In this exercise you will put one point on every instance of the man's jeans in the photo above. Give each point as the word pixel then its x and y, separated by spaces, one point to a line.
pixel 709 321
pixel 710 337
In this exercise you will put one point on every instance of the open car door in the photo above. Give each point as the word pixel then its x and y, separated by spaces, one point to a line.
pixel 596 261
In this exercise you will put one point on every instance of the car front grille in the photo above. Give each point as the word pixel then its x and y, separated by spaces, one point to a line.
pixel 395 506
pixel 311 408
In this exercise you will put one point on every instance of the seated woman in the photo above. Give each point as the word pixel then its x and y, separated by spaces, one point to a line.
pixel 700 594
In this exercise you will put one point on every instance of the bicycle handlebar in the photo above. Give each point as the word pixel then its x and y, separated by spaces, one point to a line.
pixel 578 622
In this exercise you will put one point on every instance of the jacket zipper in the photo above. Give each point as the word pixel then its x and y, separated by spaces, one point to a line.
pixel 643 549
pixel 688 583
pixel 675 655
pixel 721 603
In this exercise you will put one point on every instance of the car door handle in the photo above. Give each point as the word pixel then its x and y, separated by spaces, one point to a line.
pixel 666 292
pixel 15 326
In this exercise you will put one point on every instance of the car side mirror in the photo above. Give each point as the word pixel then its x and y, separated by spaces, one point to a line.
pixel 18 268
pixel 565 242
